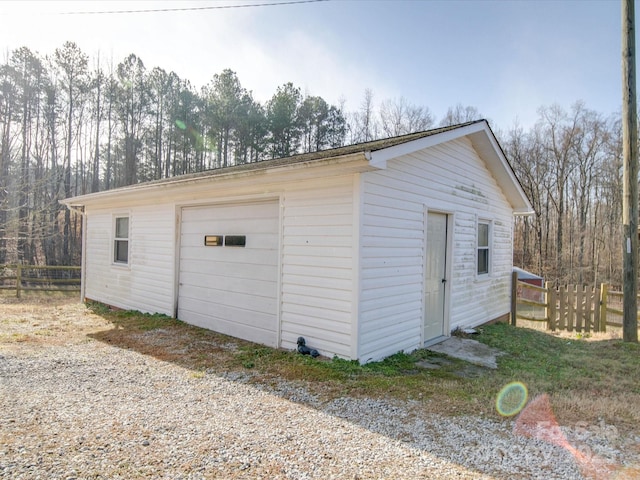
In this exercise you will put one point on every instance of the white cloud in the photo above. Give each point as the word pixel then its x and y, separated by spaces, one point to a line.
pixel 306 63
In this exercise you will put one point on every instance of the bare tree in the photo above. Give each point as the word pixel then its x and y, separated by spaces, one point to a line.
pixel 460 114
pixel 399 117
pixel 524 149
pixel 589 150
pixel 559 130
pixel 72 63
pixel 363 126
pixel 8 109
pixel 97 88
pixel 28 68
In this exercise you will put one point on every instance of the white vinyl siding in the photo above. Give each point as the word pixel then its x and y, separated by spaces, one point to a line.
pixel 447 177
pixel 146 282
pixel 317 272
pixel 311 295
pixel 392 240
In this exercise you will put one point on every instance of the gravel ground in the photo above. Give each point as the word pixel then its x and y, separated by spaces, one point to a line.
pixel 87 409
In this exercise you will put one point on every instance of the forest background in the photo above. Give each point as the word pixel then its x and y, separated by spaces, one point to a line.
pixel 71 125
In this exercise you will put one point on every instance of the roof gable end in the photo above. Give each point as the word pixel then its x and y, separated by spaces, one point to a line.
pixel 379 157
pixel 485 144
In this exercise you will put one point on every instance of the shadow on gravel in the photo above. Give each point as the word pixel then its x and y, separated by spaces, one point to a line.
pixel 169 340
pixel 396 398
pixel 402 376
pixel 372 398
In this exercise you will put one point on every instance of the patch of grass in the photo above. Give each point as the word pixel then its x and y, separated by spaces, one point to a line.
pixel 133 319
pixel 43 297
pixel 13 337
pixel 43 333
pixel 397 376
pixel 555 363
pixel 586 379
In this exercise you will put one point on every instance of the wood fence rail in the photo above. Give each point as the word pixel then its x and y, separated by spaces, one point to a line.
pixel 59 278
pixel 571 308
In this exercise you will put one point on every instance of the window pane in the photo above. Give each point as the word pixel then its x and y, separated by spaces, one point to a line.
pixel 235 241
pixel 483 260
pixel 122 227
pixel 121 251
pixel 483 234
pixel 213 240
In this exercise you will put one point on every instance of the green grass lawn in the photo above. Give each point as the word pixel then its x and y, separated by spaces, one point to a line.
pixel 587 380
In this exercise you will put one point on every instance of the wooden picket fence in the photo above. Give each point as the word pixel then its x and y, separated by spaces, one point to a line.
pixel 570 308
pixel 39 278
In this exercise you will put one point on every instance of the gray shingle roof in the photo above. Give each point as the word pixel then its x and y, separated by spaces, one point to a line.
pixel 320 155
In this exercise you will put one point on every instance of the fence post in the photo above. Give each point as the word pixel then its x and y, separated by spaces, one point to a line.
pixel 579 311
pixel 594 306
pixel 18 279
pixel 550 309
pixel 604 296
pixel 514 297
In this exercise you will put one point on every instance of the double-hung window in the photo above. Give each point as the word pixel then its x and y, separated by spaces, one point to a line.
pixel 484 253
pixel 121 240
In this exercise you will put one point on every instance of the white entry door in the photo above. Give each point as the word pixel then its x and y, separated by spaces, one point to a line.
pixel 229 257
pixel 435 276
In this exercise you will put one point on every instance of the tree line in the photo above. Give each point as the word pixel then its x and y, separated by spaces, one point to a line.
pixel 71 124
pixel 570 165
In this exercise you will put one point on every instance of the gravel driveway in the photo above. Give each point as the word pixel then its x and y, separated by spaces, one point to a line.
pixel 80 408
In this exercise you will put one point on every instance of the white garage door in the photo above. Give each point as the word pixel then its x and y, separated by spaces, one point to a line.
pixel 226 286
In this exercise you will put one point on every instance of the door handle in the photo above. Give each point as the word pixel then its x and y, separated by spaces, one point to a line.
pixel 444 280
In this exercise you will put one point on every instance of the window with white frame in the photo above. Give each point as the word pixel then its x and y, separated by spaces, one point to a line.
pixel 484 244
pixel 121 240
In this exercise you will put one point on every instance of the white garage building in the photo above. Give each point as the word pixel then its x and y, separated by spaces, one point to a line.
pixel 364 250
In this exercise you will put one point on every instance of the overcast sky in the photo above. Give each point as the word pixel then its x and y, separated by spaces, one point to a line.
pixel 506 58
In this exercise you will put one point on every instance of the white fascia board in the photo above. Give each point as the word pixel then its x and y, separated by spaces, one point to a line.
pixel 486 144
pixel 379 158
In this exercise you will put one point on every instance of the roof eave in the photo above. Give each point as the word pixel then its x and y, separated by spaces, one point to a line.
pixel 357 161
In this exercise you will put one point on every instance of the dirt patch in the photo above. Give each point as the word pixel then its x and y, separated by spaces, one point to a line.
pixel 45 321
